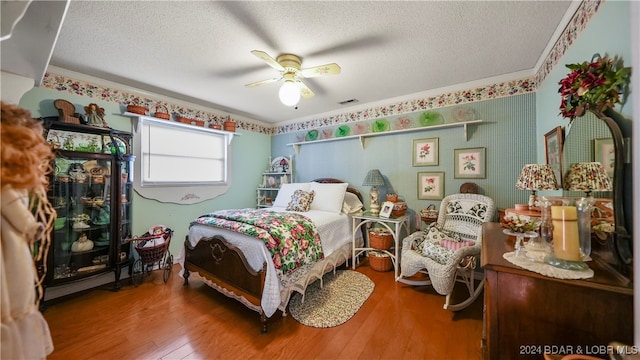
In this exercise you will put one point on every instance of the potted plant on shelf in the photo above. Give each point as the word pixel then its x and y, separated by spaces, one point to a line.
pixel 597 85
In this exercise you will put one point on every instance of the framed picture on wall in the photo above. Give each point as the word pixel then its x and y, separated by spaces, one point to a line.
pixel 604 153
pixel 470 163
pixel 425 152
pixel 431 185
pixel 553 151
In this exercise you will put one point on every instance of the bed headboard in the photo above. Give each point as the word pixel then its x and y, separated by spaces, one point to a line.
pixel 337 181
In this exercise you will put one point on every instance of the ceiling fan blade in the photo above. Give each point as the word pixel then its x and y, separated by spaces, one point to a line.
pixel 267 81
pixel 327 69
pixel 304 90
pixel 268 59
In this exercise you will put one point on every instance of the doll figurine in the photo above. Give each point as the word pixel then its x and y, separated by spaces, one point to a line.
pixel 27 217
pixel 95 115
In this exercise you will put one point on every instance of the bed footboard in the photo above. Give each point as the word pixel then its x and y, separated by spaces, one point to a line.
pixel 225 268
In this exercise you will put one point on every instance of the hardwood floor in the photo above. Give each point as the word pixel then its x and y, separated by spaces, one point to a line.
pixel 169 321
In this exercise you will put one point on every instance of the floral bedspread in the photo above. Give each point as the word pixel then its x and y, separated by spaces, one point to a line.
pixel 291 238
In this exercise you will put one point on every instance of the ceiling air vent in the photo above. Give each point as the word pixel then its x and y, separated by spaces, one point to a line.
pixel 350 101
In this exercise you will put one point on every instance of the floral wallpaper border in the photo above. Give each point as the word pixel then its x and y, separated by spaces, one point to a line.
pixel 578 22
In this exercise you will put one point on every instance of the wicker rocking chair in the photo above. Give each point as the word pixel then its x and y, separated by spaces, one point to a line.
pixel 461 216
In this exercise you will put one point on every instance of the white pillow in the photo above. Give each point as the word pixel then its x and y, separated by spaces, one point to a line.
pixel 286 191
pixel 329 197
pixel 351 203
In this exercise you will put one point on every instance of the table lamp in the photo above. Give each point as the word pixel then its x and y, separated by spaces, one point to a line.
pixel 374 179
pixel 588 177
pixel 536 177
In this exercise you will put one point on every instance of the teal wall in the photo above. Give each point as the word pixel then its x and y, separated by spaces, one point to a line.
pixel 608 32
pixel 250 156
pixel 507 133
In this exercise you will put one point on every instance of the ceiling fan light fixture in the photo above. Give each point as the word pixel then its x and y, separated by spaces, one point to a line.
pixel 289 93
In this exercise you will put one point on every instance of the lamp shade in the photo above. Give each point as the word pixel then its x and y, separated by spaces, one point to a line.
pixel 587 176
pixel 289 93
pixel 374 178
pixel 536 177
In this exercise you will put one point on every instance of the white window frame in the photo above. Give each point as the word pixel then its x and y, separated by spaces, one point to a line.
pixel 180 163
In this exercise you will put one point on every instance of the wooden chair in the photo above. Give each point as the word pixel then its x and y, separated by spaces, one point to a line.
pixel 460 215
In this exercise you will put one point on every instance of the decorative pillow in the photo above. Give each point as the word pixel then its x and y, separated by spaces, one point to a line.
pixel 286 191
pixel 439 244
pixel 351 203
pixel 433 250
pixel 329 197
pixel 300 200
pixel 435 233
pixel 455 245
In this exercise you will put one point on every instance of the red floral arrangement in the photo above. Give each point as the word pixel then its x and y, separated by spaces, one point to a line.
pixel 598 84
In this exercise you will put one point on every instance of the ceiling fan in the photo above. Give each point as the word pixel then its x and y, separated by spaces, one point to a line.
pixel 289 67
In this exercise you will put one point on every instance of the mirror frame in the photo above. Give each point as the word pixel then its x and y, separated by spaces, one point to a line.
pixel 620 245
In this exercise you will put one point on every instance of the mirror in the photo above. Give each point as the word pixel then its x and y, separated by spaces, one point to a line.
pixel 596 136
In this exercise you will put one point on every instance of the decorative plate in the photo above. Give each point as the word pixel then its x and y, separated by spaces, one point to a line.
pixel 463 114
pixel 311 135
pixel 429 118
pixel 343 130
pixel 380 125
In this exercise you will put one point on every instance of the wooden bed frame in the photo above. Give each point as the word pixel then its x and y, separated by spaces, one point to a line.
pixel 225 268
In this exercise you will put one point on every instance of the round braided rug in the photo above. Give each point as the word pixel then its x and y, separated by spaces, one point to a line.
pixel 333 304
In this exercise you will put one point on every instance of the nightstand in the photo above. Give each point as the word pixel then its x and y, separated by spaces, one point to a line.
pixel 392 224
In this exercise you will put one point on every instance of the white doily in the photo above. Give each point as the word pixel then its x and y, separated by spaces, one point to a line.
pixel 546 269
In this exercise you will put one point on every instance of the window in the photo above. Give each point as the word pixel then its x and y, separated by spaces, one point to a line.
pixel 180 163
pixel 174 154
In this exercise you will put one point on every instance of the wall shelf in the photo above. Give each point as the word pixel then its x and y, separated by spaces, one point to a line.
pixel 296 145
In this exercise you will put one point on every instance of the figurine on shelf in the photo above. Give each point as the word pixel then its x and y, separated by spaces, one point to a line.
pixel 77 173
pixel 81 221
pixel 82 244
pixel 27 219
pixel 95 115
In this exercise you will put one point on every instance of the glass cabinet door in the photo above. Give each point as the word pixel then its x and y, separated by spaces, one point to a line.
pixel 82 193
pixel 124 223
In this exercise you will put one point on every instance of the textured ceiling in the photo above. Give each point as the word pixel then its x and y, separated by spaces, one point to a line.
pixel 199 51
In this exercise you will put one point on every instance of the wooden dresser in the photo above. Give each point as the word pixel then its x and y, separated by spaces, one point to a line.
pixel 527 313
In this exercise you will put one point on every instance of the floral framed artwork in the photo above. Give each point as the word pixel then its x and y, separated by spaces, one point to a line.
pixel 469 163
pixel 425 152
pixel 604 153
pixel 553 151
pixel 431 185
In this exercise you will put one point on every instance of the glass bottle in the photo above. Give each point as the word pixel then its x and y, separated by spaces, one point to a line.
pixel 584 206
pixel 546 226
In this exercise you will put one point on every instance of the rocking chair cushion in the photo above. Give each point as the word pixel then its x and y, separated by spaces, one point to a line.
pixel 433 250
pixel 436 233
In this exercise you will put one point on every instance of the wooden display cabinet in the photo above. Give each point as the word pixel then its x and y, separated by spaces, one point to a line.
pixel 91 189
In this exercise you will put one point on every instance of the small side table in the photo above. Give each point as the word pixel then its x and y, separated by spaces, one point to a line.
pixel 393 224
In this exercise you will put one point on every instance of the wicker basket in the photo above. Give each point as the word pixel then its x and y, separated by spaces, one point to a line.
pixel 161 112
pixel 380 238
pixel 137 109
pixel 429 214
pixel 380 261
pixel 399 209
pixel 230 126
pixel 185 120
pixel 153 254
